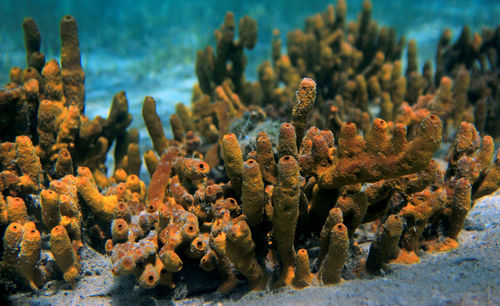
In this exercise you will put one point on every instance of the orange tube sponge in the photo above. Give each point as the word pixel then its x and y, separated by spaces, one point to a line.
pixel 310 138
pixel 191 170
pixel 265 158
pixel 420 208
pixel 64 163
pixel 354 207
pixel 29 163
pixel 306 159
pixel 51 215
pixel 303 276
pixel 412 57
pixel 213 193
pixel 334 217
pixel 177 127
pixel 185 115
pixel 491 180
pixel 287 140
pixel 286 213
pixel 71 217
pixel 15 75
pixel 69 128
pixel 466 142
pixel 29 255
pixel 208 261
pixel 357 162
pixel 16 210
pixel 154 274
pixel 122 211
pixel 252 192
pixel 120 176
pixel 154 125
pixel 103 206
pixel 132 162
pixel 385 247
pixel 217 257
pixel 49 113
pixel 72 72
pixel 306 96
pixel 160 179
pixel 32 83
pixel 134 184
pixel 151 161
pixel 4 215
pixel 233 161
pixel 67 186
pixel 247 27
pixel 183 228
pixel 331 268
pixel 11 240
pixel 199 246
pixel 166 278
pixel 171 260
pixel 32 42
pixel 192 142
pixel 458 207
pixel 126 256
pixel 239 247
pixel 118 120
pixel 8 156
pixel 321 203
pixel 52 79
pixel 63 252
pixel 150 277
pixel 119 230
pixel 180 194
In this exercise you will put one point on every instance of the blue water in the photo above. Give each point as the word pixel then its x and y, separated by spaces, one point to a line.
pixel 149 47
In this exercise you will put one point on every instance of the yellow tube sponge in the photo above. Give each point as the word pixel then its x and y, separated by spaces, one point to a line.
pixel 287 141
pixel 265 158
pixel 150 277
pixel 303 276
pixel 306 96
pixel 458 208
pixel 29 255
pixel 385 247
pixel 11 240
pixel 286 213
pixel 119 230
pixel 103 206
pixel 331 269
pixel 252 192
pixel 51 215
pixel 63 252
pixel 233 160
pixel 16 210
pixel 334 217
pixel 239 248
pixel 191 170
pixel 357 161
pixel 29 163
pixel 154 125
pixel 72 73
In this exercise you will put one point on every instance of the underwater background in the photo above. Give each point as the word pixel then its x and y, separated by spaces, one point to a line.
pixel 149 47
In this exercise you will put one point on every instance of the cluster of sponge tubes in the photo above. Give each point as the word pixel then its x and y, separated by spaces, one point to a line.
pixel 317 186
pixel 45 136
pixel 323 188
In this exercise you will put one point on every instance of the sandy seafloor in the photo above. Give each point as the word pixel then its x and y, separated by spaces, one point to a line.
pixel 469 275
